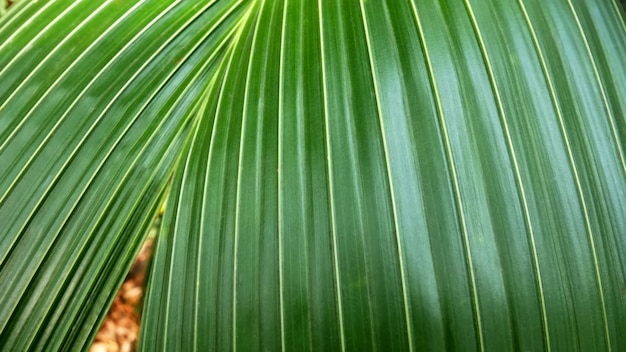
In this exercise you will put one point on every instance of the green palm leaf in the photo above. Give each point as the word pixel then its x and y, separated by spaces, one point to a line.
pixel 345 175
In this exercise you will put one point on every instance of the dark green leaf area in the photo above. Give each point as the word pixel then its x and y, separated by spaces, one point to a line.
pixel 401 175
pixel 351 175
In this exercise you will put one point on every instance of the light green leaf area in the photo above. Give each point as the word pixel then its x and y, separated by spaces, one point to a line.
pixel 343 175
pixel 95 106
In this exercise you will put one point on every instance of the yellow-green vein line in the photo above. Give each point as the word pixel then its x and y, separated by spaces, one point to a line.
pixel 330 181
pixel 244 119
pixel 602 93
pixel 281 92
pixel 455 181
pixel 390 177
pixel 516 168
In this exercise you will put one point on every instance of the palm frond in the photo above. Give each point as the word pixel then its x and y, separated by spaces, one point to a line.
pixel 347 175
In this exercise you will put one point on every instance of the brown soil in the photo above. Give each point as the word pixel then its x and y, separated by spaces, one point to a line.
pixel 120 330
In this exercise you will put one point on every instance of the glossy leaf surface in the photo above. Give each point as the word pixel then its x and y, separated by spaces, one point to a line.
pixel 345 175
